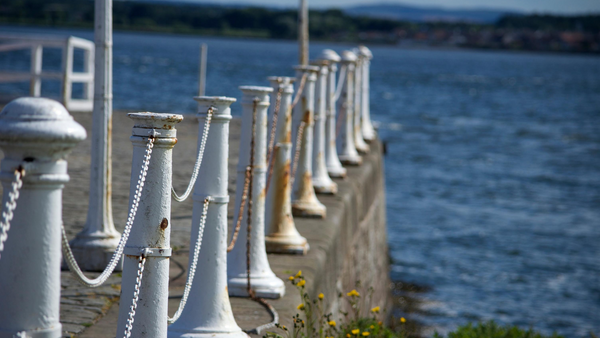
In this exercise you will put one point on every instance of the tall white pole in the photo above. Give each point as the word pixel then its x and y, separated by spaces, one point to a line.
pixel 264 282
pixel 360 143
pixel 151 230
pixel 38 134
pixel 94 245
pixel 321 180
pixel 367 127
pixel 282 235
pixel 208 310
pixel 303 32
pixel 346 145
pixel 202 71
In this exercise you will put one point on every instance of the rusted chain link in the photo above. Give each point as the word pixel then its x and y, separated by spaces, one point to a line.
pixel 10 206
pixel 190 187
pixel 274 124
pixel 298 149
pixel 66 249
pixel 300 90
pixel 136 295
pixel 190 278
pixel 271 166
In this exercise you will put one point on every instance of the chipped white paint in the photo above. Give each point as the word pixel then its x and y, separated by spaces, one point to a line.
pixel 282 235
pixel 359 142
pixel 151 227
pixel 304 200
pixel 334 166
pixel 346 146
pixel 321 180
pixel 94 246
pixel 367 127
pixel 208 310
pixel 39 133
pixel 263 280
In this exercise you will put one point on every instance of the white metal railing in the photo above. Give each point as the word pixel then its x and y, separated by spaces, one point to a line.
pixel 67 76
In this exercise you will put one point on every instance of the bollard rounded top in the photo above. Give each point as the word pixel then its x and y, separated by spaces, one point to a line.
pixel 365 52
pixel 221 103
pixel 348 56
pixel 255 89
pixel 304 68
pixel 282 80
pixel 330 55
pixel 155 120
pixel 34 122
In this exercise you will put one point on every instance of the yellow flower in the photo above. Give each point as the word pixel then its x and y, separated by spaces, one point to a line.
pixel 301 306
pixel 348 335
pixel 355 331
pixel 353 293
pixel 365 333
pixel 291 277
pixel 402 319
pixel 375 309
pixel 331 323
pixel 321 296
pixel 380 323
pixel 299 274
pixel 372 327
pixel 301 283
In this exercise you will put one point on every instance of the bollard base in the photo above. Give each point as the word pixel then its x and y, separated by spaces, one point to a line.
pixel 362 147
pixel 205 333
pixel 53 332
pixel 94 254
pixel 294 245
pixel 337 172
pixel 326 189
pixel 308 209
pixel 264 287
pixel 351 160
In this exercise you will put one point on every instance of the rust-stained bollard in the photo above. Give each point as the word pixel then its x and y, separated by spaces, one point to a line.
pixel 151 231
pixel 321 180
pixel 208 311
pixel 282 236
pixel 264 282
pixel 346 146
pixel 304 199
pixel 35 134
pixel 359 141
pixel 367 127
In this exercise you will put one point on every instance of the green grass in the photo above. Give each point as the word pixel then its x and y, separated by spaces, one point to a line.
pixel 492 330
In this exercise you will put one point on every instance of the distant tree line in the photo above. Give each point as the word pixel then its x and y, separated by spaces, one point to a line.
pixel 332 24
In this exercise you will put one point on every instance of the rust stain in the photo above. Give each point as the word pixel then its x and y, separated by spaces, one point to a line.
pixel 164 223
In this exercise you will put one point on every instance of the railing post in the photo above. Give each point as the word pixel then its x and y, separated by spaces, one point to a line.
pixel 282 235
pixel 151 229
pixel 304 200
pixel 334 166
pixel 321 180
pixel 367 127
pixel 346 145
pixel 208 310
pixel 88 67
pixel 67 67
pixel 39 133
pixel 264 282
pixel 360 143
pixel 35 87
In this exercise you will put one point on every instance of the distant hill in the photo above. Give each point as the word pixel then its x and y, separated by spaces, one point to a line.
pixel 428 14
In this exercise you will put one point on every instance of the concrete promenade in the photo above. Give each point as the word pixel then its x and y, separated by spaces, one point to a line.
pixel 349 245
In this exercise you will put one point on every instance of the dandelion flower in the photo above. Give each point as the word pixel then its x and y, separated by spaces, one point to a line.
pixel 365 333
pixel 355 331
pixel 331 323
pixel 301 306
pixel 291 277
pixel 301 283
pixel 380 323
pixel 348 335
pixel 372 327
pixel 375 309
pixel 353 293
pixel 299 274
pixel 321 296
pixel 402 319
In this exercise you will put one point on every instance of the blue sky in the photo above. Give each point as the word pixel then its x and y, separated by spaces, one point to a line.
pixel 543 6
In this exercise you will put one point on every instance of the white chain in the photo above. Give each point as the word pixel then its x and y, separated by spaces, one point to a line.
pixel 192 273
pixel 136 295
pixel 72 263
pixel 183 197
pixel 10 206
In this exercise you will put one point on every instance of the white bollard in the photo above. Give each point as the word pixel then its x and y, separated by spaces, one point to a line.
pixel 346 146
pixel 151 232
pixel 40 133
pixel 282 236
pixel 208 311
pixel 321 180
pixel 367 127
pixel 360 143
pixel 334 166
pixel 304 200
pixel 264 282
